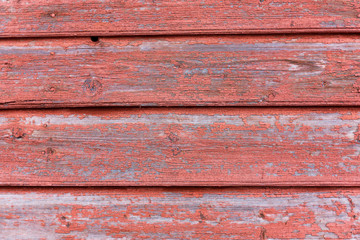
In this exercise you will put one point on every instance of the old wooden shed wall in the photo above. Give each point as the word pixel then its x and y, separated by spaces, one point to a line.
pixel 163 119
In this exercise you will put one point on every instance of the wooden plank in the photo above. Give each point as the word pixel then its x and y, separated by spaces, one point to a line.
pixel 199 213
pixel 195 146
pixel 181 71
pixel 144 17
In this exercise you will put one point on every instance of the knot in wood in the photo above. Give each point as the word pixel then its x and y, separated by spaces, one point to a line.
pixel 92 87
pixel 173 137
pixel 17 133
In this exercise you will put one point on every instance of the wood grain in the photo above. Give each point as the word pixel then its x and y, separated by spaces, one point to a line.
pixel 24 18
pixel 200 213
pixel 295 70
pixel 179 147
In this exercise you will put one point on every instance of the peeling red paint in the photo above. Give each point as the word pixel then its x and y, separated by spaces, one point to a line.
pixel 163 17
pixel 180 213
pixel 180 71
pixel 180 146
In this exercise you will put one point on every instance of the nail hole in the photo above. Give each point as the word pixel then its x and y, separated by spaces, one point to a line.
pixel 94 39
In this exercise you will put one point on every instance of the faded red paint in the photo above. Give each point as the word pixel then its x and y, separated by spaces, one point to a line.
pixel 179 146
pixel 150 17
pixel 180 213
pixel 174 146
pixel 181 71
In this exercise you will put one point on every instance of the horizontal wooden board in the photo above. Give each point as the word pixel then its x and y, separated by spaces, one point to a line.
pixel 152 213
pixel 181 71
pixel 195 146
pixel 21 18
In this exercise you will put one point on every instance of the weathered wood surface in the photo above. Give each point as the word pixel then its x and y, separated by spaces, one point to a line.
pixel 20 18
pixel 162 146
pixel 201 213
pixel 181 71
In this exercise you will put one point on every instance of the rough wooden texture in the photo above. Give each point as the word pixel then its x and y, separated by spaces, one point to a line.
pixel 20 18
pixel 202 213
pixel 160 147
pixel 225 71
